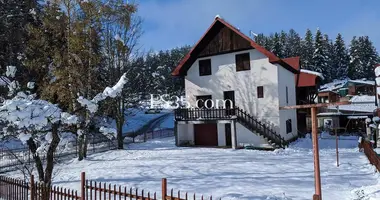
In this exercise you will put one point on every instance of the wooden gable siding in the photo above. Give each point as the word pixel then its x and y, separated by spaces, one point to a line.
pixel 225 41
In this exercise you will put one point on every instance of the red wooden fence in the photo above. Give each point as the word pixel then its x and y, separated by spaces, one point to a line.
pixel 13 189
pixel 372 156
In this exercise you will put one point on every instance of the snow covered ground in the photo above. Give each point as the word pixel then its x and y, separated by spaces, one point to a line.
pixel 231 174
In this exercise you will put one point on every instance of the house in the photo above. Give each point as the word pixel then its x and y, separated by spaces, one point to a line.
pixel 234 88
pixel 348 118
pixel 343 90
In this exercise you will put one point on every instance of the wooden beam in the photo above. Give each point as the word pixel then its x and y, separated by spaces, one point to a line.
pixel 317 105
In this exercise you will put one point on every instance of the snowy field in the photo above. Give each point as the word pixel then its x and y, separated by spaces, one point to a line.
pixel 231 174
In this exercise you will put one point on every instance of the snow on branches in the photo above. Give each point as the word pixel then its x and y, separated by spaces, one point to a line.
pixel 92 105
pixel 24 112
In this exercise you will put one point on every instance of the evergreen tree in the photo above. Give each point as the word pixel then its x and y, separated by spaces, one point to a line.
pixel 276 45
pixel 363 57
pixel 293 44
pixel 340 58
pixel 355 68
pixel 319 60
pixel 307 46
pixel 329 49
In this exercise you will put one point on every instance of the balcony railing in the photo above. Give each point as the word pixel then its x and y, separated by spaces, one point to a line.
pixel 184 114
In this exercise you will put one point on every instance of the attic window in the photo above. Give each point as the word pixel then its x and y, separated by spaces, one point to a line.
pixel 205 67
pixel 242 62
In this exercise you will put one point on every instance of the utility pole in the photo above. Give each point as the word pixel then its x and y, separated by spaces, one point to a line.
pixel 317 176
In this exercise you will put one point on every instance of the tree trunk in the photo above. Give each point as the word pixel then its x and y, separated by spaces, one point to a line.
pixel 33 148
pixel 80 147
pixel 120 142
pixel 85 145
pixel 50 154
pixel 120 121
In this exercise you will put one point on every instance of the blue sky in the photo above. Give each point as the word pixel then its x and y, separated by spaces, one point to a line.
pixel 171 23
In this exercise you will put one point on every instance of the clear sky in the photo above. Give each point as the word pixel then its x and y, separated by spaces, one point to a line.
pixel 171 23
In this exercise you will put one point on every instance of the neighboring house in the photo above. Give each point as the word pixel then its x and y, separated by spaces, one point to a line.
pixel 343 90
pixel 349 118
pixel 227 65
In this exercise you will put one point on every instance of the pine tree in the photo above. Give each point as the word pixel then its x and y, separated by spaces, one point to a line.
pixel 293 44
pixel 319 60
pixel 277 46
pixel 307 46
pixel 363 57
pixel 355 68
pixel 340 58
pixel 329 53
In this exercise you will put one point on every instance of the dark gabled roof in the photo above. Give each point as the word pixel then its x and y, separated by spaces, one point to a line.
pixel 211 32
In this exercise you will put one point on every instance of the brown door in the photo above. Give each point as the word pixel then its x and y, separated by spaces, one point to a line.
pixel 206 134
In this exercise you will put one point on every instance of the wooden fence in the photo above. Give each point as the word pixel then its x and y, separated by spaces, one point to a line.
pixel 13 189
pixel 372 156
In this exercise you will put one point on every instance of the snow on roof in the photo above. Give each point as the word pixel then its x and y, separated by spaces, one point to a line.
pixel 218 16
pixel 338 84
pixel 357 117
pixel 329 113
pixel 312 72
pixel 363 81
pixel 365 104
pixel 363 98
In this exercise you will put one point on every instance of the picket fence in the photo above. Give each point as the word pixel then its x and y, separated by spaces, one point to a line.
pixel 14 189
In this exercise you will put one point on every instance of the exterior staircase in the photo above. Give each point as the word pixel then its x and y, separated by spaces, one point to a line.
pixel 256 126
pixel 241 116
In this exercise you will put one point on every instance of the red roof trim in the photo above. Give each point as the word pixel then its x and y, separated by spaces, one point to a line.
pixel 272 58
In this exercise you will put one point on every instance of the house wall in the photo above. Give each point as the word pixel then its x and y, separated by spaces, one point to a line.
pixel 285 80
pixel 221 134
pixel 245 137
pixel 185 133
pixel 225 78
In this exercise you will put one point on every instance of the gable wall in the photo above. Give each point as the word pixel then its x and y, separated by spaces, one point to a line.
pixel 225 78
pixel 285 79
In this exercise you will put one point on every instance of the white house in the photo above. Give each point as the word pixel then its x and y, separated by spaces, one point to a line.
pixel 225 64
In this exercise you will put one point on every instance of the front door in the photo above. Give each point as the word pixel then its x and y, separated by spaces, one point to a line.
pixel 228 134
pixel 229 95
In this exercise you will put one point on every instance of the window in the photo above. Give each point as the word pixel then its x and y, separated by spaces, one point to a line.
pixel 260 92
pixel 242 62
pixel 204 67
pixel 288 126
pixel 287 96
pixel 202 99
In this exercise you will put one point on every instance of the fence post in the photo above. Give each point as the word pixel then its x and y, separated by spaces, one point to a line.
pixel 83 186
pixel 32 188
pixel 164 188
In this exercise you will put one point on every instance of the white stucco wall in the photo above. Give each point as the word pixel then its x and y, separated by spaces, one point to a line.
pixel 286 79
pixel 185 133
pixel 225 78
pixel 221 134
pixel 246 137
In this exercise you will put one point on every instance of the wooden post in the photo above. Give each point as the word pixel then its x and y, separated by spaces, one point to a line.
pixel 83 186
pixel 32 188
pixel 316 197
pixel 317 175
pixel 164 186
pixel 337 152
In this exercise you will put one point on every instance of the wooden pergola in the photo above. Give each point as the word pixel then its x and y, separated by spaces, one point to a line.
pixel 314 133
